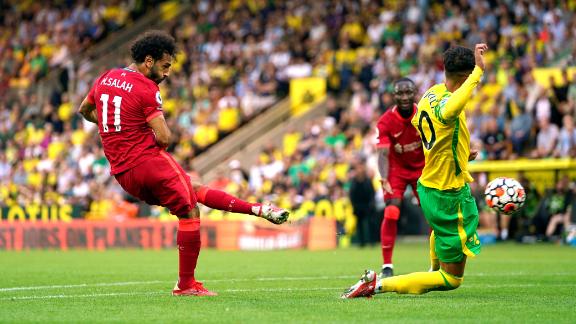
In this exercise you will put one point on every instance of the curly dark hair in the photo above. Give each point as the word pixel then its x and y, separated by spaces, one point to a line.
pixel 154 43
pixel 458 62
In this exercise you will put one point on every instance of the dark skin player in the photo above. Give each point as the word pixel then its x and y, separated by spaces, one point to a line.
pixel 404 97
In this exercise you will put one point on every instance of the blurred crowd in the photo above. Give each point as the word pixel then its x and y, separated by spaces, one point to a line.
pixel 546 216
pixel 237 58
pixel 46 156
pixel 39 37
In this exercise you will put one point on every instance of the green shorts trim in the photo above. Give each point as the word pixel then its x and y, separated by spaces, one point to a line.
pixel 453 216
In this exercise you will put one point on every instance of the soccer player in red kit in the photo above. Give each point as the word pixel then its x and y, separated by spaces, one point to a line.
pixel 400 162
pixel 126 105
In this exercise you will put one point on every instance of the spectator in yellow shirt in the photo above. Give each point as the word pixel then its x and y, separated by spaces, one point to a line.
pixel 229 113
pixel 205 135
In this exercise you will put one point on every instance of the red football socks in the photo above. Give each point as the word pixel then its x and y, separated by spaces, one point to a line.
pixel 220 200
pixel 188 240
pixel 388 232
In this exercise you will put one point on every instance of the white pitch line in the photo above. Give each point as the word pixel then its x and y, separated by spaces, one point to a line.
pixel 496 274
pixel 131 283
pixel 167 293
pixel 85 296
pixel 281 289
pixel 480 285
pixel 284 278
pixel 102 284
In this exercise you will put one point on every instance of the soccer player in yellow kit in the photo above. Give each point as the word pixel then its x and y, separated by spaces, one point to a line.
pixel 443 187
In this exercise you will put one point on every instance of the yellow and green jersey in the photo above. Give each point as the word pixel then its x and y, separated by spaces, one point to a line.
pixel 441 122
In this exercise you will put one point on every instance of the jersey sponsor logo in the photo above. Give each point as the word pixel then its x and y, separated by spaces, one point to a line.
pixel 412 146
pixel 397 134
pixel 400 149
pixel 112 82
pixel 158 97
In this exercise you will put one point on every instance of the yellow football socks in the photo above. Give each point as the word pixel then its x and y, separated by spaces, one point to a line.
pixel 419 282
pixel 434 262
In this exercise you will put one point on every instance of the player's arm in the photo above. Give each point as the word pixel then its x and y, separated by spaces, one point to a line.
pixel 452 108
pixel 161 130
pixel 88 111
pixel 383 165
pixel 383 147
pixel 383 162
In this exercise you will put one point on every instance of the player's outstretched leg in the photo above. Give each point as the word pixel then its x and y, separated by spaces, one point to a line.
pixel 449 277
pixel 365 287
pixel 388 232
pixel 418 283
pixel 221 200
pixel 188 240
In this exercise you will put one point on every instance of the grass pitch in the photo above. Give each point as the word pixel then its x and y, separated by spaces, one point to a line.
pixel 506 283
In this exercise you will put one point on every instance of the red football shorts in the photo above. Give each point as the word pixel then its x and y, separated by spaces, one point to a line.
pixel 160 181
pixel 399 180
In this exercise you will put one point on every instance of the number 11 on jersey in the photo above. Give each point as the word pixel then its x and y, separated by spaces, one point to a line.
pixel 117 100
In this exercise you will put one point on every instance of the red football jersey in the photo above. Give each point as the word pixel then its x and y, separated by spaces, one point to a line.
pixel 125 101
pixel 393 129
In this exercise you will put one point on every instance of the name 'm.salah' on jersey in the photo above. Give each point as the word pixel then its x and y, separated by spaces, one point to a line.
pixel 397 133
pixel 125 101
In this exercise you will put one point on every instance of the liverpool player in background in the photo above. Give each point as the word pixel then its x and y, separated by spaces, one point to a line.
pixel 400 162
pixel 126 105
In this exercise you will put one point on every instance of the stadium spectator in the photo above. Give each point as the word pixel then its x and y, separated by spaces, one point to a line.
pixel 476 123
pixel 334 110
pixel 522 224
pixel 546 139
pixel 559 207
pixel 229 116
pixel 572 96
pixel 362 197
pixel 494 140
pixel 336 138
pixel 560 93
pixel 520 128
pixel 566 146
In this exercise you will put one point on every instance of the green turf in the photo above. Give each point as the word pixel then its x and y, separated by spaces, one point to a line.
pixel 507 283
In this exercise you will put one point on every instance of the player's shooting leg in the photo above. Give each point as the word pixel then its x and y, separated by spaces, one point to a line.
pixel 221 200
pixel 218 199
